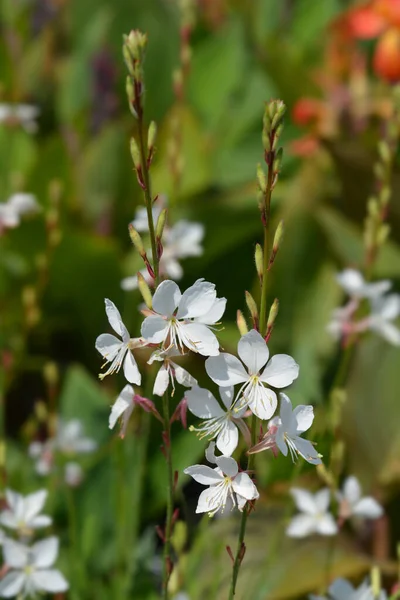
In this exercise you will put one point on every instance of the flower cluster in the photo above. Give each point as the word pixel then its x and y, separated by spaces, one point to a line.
pixel 341 589
pixel 68 441
pixel 181 240
pixel 28 568
pixel 17 205
pixel 314 514
pixel 352 318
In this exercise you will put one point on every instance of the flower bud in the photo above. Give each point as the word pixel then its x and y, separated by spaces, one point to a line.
pixel 41 412
pixel 252 306
pixel 241 323
pixel 261 178
pixel 145 291
pixel 136 240
pixel 326 475
pixel 373 207
pixel 276 166
pixel 151 136
pixel 273 312
pixel 259 260
pixel 384 151
pixel 277 241
pixel 135 153
pixel 51 373
pixel 376 582
pixel 384 195
pixel 161 223
pixel 136 43
pixel 382 234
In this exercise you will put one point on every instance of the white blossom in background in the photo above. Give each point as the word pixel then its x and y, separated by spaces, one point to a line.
pixel 185 320
pixel 140 222
pixel 384 309
pixel 18 205
pixel 341 589
pixel 73 474
pixel 219 423
pixel 21 114
pixel 69 440
pixel 226 486
pixel 169 371
pixel 119 352
pixel 354 284
pixel 23 512
pixel 314 516
pixel 30 571
pixel 284 432
pixel 279 372
pixel 122 407
pixel 353 504
pixel 180 241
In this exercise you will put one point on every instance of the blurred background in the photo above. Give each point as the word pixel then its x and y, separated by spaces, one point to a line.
pixel 209 69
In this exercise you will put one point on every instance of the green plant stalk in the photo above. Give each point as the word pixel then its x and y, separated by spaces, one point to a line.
pixel 254 421
pixel 170 496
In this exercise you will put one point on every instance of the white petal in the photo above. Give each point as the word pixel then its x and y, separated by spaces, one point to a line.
pixel 280 371
pixel 388 331
pixel 307 451
pixel 228 438
pixel 34 504
pixel 228 465
pixel 388 307
pixel 115 319
pixel 108 345
pixel 118 408
pixel 155 329
pixel 171 266
pixel 286 414
pixel 161 382
pixel 130 283
pixel 8 519
pixel 322 499
pixel 210 500
pixel 262 401
pixel 40 521
pixel 351 281
pixel 253 351
pixel 227 395
pixel 215 313
pixel 304 500
pixel 44 553
pixel 226 370
pixel 11 585
pixel 304 415
pixel 200 338
pixel 166 298
pixel 197 300
pixel 210 453
pixel 203 474
pixel 280 441
pixel 131 370
pixel 50 580
pixel 368 508
pixel 341 588
pixel 352 489
pixel 244 486
pixel 182 376
pixel 202 403
pixel 15 554
pixel 301 526
pixel 326 525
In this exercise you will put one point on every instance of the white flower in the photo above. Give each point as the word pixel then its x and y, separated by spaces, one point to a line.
pixel 73 475
pixel 17 205
pixel 285 432
pixel 226 485
pixel 280 371
pixel 30 571
pixel 384 310
pixel 341 589
pixel 314 517
pixel 355 285
pixel 140 222
pixel 169 371
pixel 23 114
pixel 123 406
pixel 119 352
pixel 219 423
pixel 352 504
pixel 23 511
pixel 70 438
pixel 180 241
pixel 185 319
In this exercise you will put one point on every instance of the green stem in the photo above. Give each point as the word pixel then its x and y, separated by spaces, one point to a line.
pixel 263 302
pixel 170 497
pixel 147 197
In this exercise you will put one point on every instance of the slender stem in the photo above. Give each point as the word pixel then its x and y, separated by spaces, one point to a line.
pixel 147 196
pixel 170 496
pixel 263 302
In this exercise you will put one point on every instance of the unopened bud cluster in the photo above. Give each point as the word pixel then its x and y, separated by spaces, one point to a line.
pixel 376 231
